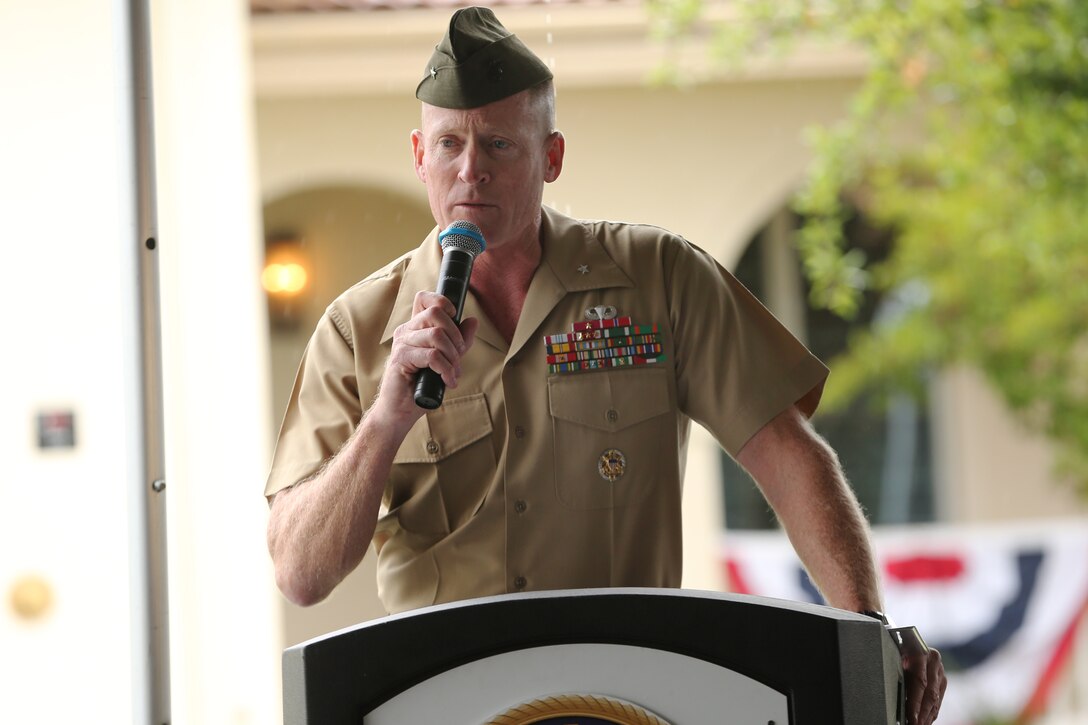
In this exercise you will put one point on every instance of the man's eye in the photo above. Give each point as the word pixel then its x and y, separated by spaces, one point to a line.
pixel 500 144
pixel 447 143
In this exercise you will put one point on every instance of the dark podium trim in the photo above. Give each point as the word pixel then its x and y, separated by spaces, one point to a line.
pixel 834 666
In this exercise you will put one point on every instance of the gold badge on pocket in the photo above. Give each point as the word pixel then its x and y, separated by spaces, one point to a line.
pixel 612 464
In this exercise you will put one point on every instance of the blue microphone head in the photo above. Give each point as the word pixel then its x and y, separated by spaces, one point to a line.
pixel 463 235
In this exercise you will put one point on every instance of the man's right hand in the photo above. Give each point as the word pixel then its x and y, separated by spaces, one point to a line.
pixel 430 339
pixel 319 530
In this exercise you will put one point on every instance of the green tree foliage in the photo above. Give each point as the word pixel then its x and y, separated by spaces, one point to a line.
pixel 968 136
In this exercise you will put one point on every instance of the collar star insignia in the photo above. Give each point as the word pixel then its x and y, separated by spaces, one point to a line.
pixel 583 269
pixel 434 72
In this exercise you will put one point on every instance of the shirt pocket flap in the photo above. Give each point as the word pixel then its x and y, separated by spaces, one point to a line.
pixel 609 402
pixel 456 424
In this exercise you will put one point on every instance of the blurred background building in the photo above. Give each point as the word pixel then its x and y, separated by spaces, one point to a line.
pixel 284 176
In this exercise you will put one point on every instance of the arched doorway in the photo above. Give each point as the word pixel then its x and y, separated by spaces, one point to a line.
pixel 343 233
pixel 884 444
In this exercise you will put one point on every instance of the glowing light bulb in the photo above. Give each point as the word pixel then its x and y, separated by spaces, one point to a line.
pixel 285 279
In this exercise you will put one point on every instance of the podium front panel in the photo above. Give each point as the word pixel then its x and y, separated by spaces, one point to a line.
pixel 654 680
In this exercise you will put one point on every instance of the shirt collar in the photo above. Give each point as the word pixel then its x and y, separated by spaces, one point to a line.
pixel 420 273
pixel 576 256
pixel 573 260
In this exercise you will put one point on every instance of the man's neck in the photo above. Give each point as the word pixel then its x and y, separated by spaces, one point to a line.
pixel 500 281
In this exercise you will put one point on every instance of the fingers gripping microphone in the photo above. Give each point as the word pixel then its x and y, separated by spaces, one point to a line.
pixel 461 241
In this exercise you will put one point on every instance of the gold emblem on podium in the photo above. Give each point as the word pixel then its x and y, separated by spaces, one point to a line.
pixel 577 710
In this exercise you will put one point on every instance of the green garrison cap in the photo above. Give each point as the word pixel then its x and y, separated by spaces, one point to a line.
pixel 478 62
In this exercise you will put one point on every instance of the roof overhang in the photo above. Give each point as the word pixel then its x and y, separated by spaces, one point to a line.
pixel 376 52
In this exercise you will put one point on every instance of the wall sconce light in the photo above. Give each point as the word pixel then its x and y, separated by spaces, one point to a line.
pixel 286 279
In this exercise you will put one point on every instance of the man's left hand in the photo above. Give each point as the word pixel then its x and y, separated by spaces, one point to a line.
pixel 926 683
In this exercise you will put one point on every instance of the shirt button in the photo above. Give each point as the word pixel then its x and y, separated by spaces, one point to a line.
pixel 520 582
pixel 519 432
pixel 612 415
pixel 520 506
pixel 432 447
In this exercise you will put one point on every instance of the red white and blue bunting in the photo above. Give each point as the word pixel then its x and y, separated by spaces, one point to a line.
pixel 1002 603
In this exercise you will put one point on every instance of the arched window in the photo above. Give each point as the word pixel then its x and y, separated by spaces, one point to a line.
pixel 885 448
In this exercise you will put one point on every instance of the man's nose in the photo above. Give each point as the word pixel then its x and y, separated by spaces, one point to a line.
pixel 474 167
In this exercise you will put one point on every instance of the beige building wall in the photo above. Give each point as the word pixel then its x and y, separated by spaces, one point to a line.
pixel 992 466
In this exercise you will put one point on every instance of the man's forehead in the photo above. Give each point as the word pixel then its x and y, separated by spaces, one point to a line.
pixel 507 114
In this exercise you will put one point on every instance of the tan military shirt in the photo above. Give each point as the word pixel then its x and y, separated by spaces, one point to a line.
pixel 503 488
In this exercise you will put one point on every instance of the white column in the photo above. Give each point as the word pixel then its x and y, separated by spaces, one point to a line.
pixel 224 609
pixel 785 295
pixel 702 510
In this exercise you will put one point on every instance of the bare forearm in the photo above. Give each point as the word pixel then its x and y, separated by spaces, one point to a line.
pixel 831 536
pixel 801 477
pixel 319 530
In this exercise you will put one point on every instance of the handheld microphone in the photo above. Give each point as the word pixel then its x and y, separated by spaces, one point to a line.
pixel 461 241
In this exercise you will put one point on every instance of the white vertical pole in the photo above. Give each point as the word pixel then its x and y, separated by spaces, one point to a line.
pixel 151 489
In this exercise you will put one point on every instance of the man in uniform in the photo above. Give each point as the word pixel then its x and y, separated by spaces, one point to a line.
pixel 586 349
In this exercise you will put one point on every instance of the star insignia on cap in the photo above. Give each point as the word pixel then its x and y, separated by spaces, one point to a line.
pixel 583 269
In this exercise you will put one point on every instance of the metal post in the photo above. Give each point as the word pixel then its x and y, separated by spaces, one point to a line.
pixel 152 488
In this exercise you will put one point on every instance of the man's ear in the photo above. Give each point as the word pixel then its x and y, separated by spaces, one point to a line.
pixel 417 155
pixel 556 147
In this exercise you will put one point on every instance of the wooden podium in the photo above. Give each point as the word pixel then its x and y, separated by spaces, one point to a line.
pixel 612 656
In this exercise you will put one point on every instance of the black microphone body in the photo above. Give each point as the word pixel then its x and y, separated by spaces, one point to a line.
pixel 461 242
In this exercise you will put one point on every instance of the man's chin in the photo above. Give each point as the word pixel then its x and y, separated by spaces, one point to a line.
pixel 482 216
